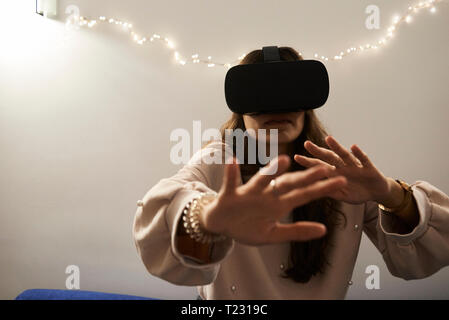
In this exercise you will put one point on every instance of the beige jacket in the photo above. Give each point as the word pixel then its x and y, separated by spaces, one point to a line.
pixel 246 272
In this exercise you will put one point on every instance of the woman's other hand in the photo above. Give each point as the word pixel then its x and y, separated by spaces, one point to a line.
pixel 364 181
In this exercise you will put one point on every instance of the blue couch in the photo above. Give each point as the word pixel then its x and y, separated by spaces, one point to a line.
pixel 53 294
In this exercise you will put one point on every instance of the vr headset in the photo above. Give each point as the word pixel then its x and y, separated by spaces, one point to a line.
pixel 276 86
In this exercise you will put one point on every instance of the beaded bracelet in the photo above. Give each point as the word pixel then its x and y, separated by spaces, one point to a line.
pixel 191 223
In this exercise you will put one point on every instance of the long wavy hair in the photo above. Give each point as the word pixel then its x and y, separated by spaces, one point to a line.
pixel 306 259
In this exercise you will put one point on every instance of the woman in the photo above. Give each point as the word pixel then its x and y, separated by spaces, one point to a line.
pixel 294 234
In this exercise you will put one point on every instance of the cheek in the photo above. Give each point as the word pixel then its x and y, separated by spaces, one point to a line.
pixel 300 122
pixel 298 127
pixel 250 123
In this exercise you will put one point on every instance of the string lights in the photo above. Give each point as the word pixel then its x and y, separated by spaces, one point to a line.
pixel 407 17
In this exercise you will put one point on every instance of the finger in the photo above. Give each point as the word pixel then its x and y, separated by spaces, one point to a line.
pixel 299 179
pixel 298 231
pixel 309 162
pixel 366 162
pixel 344 154
pixel 230 177
pixel 319 189
pixel 324 154
pixel 260 180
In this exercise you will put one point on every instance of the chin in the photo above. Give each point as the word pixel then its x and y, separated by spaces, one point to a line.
pixel 285 137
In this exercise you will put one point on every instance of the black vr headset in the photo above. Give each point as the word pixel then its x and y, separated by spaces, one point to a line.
pixel 276 86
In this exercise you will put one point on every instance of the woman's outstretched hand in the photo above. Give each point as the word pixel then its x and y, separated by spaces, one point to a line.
pixel 251 213
pixel 364 181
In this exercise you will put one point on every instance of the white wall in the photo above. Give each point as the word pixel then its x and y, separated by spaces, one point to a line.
pixel 85 119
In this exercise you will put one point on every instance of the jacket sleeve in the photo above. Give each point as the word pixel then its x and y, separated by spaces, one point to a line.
pixel 424 250
pixel 155 223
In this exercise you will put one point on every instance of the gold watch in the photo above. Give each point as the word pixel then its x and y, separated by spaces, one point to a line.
pixel 407 197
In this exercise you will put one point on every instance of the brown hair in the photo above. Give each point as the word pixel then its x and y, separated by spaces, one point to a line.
pixel 306 259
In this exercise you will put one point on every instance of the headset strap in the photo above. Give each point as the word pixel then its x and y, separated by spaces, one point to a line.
pixel 271 53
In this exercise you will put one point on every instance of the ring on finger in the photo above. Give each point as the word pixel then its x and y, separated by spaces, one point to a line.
pixel 273 187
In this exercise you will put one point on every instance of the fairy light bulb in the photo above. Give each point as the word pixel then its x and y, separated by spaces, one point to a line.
pixel 433 10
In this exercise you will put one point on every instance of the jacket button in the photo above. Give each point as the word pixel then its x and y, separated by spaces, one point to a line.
pixel 350 282
pixel 356 227
pixel 282 266
pixel 233 288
